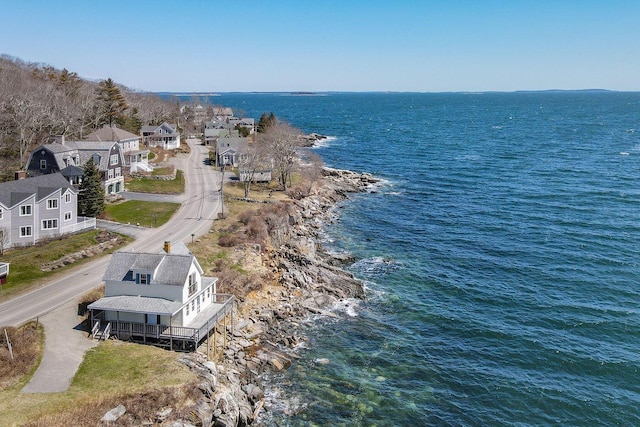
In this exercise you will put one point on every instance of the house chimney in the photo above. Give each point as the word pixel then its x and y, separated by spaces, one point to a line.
pixel 20 175
pixel 60 139
pixel 167 246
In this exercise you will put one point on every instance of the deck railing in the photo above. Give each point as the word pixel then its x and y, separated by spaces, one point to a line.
pixel 82 223
pixel 4 269
pixel 125 330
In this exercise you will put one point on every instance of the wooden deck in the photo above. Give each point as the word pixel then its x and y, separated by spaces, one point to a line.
pixel 184 337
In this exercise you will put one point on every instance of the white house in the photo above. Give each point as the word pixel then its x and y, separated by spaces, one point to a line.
pixel 161 298
pixel 33 209
pixel 165 136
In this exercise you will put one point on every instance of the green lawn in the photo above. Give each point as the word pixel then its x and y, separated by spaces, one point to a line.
pixel 25 262
pixel 147 214
pixel 146 185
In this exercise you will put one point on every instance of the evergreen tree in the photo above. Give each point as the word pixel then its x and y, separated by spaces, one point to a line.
pixel 111 101
pixel 91 196
pixel 266 121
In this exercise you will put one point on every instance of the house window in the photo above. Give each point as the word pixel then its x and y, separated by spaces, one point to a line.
pixel 187 309
pixel 52 204
pixel 43 164
pixel 114 159
pixel 110 173
pixel 49 224
pixel 25 210
pixel 193 305
pixel 67 198
pixel 143 279
pixel 26 231
pixel 67 216
pixel 193 284
pixel 0 213
pixel 118 171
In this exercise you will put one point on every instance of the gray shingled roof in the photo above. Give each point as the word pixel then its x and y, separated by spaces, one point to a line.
pixel 71 171
pixel 84 149
pixel 137 304
pixel 108 133
pixel 170 269
pixel 14 192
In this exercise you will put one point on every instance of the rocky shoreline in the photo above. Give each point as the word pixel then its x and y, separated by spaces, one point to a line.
pixel 309 282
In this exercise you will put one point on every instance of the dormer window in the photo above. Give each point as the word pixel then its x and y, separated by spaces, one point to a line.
pixel 143 279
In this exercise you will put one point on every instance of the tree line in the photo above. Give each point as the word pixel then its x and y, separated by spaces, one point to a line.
pixel 38 102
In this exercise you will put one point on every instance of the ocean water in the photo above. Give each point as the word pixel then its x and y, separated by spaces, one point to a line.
pixel 500 256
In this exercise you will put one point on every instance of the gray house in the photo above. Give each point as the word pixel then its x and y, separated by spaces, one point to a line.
pixel 136 160
pixel 33 209
pixel 229 151
pixel 68 157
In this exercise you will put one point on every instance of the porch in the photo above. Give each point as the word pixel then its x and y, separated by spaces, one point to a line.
pixel 171 336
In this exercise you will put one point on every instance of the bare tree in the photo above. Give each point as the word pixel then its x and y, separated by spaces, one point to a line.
pixel 4 239
pixel 283 142
pixel 255 161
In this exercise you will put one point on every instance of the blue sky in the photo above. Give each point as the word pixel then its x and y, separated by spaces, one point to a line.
pixel 341 45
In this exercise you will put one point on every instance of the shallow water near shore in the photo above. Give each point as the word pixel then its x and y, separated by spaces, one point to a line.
pixel 500 258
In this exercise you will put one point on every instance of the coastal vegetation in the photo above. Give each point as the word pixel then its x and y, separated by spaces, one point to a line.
pixel 112 373
pixel 26 349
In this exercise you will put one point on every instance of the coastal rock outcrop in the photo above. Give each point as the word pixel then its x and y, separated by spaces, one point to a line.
pixel 309 282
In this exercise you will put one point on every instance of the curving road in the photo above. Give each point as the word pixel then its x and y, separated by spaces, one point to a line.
pixel 200 206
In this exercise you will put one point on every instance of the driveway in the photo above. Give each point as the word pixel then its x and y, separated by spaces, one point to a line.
pixel 65 345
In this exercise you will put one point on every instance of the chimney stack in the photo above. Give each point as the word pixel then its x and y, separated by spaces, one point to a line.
pixel 20 175
pixel 167 246
pixel 60 139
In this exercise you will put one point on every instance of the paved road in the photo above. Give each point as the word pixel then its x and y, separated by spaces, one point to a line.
pixel 200 206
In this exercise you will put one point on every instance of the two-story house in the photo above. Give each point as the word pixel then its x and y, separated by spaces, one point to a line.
pixel 135 159
pixel 160 298
pixel 165 136
pixel 68 157
pixel 42 207
pixel 231 150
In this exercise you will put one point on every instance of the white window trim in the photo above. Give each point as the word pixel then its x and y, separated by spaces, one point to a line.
pixel 44 224
pixel 52 201
pixel 24 207
pixel 26 228
pixel 68 216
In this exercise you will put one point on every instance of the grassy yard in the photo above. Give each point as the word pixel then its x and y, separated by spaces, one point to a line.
pixel 155 186
pixel 111 373
pixel 147 214
pixel 24 271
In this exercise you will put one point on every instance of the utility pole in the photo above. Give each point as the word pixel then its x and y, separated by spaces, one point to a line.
pixel 222 192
